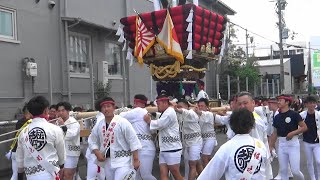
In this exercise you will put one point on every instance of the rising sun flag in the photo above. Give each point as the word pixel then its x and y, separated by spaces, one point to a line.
pixel 144 40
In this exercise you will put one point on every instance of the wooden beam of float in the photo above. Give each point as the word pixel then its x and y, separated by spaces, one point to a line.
pixel 86 132
pixel 214 109
pixel 82 115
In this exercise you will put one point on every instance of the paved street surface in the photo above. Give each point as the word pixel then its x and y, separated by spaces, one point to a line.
pixel 221 137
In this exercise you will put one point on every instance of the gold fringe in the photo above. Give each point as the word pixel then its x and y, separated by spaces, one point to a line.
pixel 193 68
pixel 162 72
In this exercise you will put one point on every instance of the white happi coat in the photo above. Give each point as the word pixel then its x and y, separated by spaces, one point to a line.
pixel 142 129
pixel 261 110
pixel 303 114
pixel 259 131
pixel 232 158
pixel 48 140
pixel 230 133
pixel 261 126
pixel 124 141
pixel 72 137
pixel 191 131
pixel 270 116
pixel 202 94
pixel 206 122
pixel 99 117
pixel 168 126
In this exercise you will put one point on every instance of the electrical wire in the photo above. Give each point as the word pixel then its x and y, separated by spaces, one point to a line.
pixel 276 42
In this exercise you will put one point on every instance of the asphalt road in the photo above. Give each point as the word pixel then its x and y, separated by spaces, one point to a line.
pixel 221 137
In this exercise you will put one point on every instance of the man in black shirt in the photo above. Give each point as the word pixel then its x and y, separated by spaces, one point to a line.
pixel 286 125
pixel 19 126
pixel 311 136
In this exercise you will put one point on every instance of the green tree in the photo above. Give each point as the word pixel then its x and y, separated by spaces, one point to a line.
pixel 248 69
pixel 234 63
pixel 102 90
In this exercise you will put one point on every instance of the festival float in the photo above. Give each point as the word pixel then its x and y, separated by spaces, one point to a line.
pixel 176 44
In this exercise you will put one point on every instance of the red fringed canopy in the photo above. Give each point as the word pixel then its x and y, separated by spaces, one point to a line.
pixel 206 27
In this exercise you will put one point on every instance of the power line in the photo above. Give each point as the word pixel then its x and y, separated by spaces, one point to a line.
pixel 296 46
pixel 252 32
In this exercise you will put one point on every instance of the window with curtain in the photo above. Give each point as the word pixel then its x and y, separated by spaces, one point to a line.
pixel 79 53
pixel 7 23
pixel 113 54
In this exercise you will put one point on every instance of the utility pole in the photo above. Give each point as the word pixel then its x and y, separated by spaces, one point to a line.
pixel 218 85
pixel 247 84
pixel 247 46
pixel 271 55
pixel 228 80
pixel 309 72
pixel 238 83
pixel 281 44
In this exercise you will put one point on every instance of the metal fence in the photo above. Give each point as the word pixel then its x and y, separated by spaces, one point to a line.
pixel 225 86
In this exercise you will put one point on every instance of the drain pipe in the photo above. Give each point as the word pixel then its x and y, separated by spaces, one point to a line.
pixel 66 31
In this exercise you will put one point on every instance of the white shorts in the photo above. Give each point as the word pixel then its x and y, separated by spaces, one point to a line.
pixel 208 146
pixel 117 173
pixel 44 176
pixel 192 153
pixel 170 158
pixel 71 162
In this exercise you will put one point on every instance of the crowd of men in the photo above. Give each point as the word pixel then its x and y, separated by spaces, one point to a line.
pixel 123 144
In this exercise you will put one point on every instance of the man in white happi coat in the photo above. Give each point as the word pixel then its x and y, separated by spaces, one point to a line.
pixel 207 121
pixel 245 100
pixel 273 108
pixel 242 157
pixel 202 93
pixel 71 129
pixel 142 129
pixel 169 138
pixel 233 106
pixel 93 170
pixel 115 143
pixel 41 150
pixel 191 137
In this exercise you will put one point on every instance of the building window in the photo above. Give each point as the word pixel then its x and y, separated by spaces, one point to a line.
pixel 79 46
pixel 292 52
pixel 276 53
pixel 299 51
pixel 285 52
pixel 8 23
pixel 113 55
pixel 272 76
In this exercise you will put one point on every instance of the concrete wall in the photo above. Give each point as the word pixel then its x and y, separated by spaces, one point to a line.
pixel 104 12
pixel 41 35
pixel 38 33
pixel 39 38
pixel 99 11
pixel 288 87
pixel 141 83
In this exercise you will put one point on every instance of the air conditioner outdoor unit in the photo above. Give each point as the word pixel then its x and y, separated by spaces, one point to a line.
pixel 103 71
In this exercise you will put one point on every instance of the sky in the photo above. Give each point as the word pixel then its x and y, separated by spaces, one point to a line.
pixel 302 17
